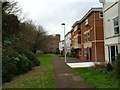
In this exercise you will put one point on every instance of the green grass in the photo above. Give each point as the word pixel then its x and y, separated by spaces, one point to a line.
pixel 40 77
pixel 97 78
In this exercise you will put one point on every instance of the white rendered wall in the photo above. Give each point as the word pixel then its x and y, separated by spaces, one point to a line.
pixel 110 12
pixel 68 42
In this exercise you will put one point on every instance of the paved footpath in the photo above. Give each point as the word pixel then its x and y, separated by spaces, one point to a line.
pixel 65 77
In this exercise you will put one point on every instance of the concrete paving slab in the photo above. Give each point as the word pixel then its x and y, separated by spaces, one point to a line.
pixel 82 64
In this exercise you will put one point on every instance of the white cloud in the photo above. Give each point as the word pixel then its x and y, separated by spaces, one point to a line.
pixel 51 13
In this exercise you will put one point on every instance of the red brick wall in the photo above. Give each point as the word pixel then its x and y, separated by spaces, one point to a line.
pixel 99 36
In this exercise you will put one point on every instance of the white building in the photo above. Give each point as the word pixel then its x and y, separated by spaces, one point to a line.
pixel 68 42
pixel 111 13
pixel 61 46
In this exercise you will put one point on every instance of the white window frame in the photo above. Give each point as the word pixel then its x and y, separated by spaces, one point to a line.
pixel 85 37
pixel 86 21
pixel 85 52
pixel 88 35
pixel 116 26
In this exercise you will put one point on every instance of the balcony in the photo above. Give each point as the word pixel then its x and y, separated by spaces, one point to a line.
pixel 88 45
pixel 77 46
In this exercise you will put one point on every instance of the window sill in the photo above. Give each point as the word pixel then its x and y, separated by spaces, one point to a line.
pixel 115 35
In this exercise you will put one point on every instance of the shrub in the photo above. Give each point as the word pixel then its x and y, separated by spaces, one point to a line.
pixel 23 64
pixel 57 51
pixel 100 66
pixel 9 69
pixel 109 67
pixel 118 66
pixel 33 60
pixel 17 61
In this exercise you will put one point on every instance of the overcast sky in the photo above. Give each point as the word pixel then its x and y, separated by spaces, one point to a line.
pixel 51 13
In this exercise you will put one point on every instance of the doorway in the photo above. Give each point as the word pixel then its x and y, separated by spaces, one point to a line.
pixel 112 53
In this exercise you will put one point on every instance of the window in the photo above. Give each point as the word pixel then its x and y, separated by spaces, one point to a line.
pixel 116 25
pixel 85 52
pixel 88 36
pixel 85 38
pixel 101 14
pixel 87 27
pixel 79 31
pixel 86 21
pixel 75 40
pixel 109 52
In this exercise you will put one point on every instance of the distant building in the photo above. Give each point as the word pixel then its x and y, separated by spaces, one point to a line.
pixel 53 43
pixel 68 42
pixel 111 13
pixel 61 46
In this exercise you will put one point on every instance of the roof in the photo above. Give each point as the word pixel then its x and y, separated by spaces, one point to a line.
pixel 90 11
pixel 67 33
pixel 77 22
pixel 86 15
pixel 71 30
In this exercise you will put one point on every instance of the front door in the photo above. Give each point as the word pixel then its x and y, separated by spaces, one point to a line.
pixel 112 53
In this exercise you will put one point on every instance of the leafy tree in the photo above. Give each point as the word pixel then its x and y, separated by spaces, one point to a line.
pixel 57 51
pixel 16 58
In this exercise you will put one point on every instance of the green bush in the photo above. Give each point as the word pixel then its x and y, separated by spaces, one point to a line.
pixel 109 67
pixel 33 61
pixel 16 58
pixel 9 69
pixel 16 61
pixel 23 64
pixel 57 51
pixel 118 66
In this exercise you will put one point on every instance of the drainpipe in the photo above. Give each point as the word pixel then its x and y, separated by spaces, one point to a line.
pixel 95 37
pixel 81 40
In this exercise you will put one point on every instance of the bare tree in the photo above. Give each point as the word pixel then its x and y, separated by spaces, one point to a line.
pixel 11 7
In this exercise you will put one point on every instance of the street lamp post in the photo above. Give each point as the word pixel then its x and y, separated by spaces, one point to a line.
pixel 64 41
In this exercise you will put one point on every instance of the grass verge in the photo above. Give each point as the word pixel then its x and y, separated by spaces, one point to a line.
pixel 40 77
pixel 97 78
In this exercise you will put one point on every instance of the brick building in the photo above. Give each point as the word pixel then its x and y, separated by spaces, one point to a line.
pixel 76 39
pixel 88 36
pixel 53 43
